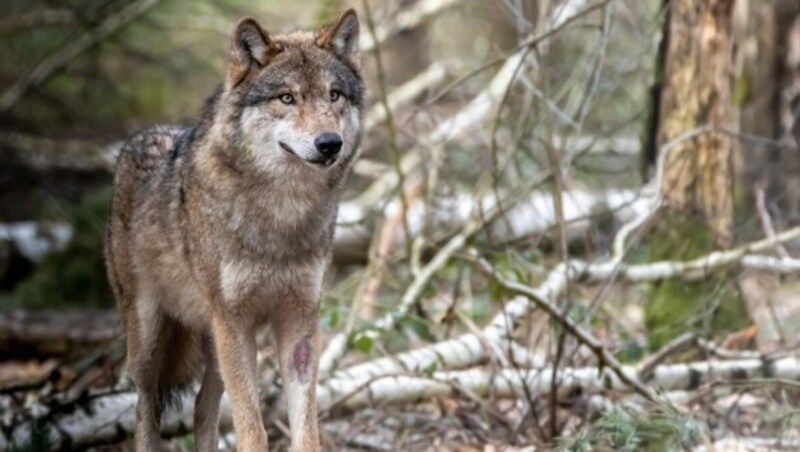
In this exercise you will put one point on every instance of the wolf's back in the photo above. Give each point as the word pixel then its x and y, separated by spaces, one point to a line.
pixel 141 191
pixel 141 160
pixel 144 153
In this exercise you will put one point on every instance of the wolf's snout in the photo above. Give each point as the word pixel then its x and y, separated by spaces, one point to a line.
pixel 328 144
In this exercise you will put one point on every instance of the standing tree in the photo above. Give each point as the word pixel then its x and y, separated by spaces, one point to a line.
pixel 693 117
pixel 697 93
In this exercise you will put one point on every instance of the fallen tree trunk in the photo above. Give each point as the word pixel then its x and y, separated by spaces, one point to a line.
pixel 393 388
pixel 529 217
pixel 32 334
pixel 100 419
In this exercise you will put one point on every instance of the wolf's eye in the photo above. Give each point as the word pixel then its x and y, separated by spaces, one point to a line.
pixel 287 99
pixel 335 95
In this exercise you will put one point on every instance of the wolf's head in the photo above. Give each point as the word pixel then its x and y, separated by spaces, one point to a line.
pixel 295 100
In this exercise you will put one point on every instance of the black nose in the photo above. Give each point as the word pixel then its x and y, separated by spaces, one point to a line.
pixel 328 144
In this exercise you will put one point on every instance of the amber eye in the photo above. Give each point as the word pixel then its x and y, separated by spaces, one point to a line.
pixel 335 95
pixel 287 99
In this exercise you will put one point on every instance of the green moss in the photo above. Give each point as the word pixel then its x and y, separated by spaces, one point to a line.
pixel 74 276
pixel 708 306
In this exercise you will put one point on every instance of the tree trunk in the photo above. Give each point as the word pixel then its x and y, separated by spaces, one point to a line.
pixel 695 117
pixel 698 172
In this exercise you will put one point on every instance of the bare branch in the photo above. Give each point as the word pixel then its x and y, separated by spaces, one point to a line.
pixel 586 338
pixel 406 19
pixel 72 49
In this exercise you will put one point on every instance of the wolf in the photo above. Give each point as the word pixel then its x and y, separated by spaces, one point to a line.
pixel 218 230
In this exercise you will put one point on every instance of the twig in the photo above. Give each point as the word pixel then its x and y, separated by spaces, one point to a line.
pixel 389 120
pixel 713 349
pixel 763 214
pixel 365 295
pixel 586 102
pixel 676 345
pixel 472 113
pixel 619 246
pixel 558 208
pixel 529 42
pixel 406 92
pixel 583 336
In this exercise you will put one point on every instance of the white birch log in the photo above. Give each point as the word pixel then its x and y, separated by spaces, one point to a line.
pixel 529 217
pixel 102 419
pixel 393 388
pixel 698 268
pixel 110 417
pixel 751 445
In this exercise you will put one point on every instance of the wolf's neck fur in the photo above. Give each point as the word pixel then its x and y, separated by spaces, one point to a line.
pixel 270 217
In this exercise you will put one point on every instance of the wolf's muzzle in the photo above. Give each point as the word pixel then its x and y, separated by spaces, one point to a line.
pixel 328 144
pixel 326 160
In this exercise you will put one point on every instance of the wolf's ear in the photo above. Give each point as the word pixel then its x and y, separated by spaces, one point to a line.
pixel 251 49
pixel 341 37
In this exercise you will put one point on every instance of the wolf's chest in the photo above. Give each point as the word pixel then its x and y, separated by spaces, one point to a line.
pixel 244 281
pixel 278 226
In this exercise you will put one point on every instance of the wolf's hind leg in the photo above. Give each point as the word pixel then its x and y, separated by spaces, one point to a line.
pixel 206 405
pixel 298 352
pixel 144 366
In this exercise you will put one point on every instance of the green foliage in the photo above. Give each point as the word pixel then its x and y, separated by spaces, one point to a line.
pixel 708 306
pixel 76 275
pixel 394 340
pixel 419 326
pixel 362 341
pixel 626 431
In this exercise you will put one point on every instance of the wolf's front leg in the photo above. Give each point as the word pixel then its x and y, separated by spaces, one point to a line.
pixel 234 341
pixel 298 350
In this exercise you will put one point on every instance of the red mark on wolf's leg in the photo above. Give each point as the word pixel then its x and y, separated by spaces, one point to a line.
pixel 302 356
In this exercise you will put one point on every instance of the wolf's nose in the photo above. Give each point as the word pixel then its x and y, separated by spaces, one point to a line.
pixel 328 144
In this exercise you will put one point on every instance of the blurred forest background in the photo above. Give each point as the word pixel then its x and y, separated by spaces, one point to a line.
pixel 573 224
